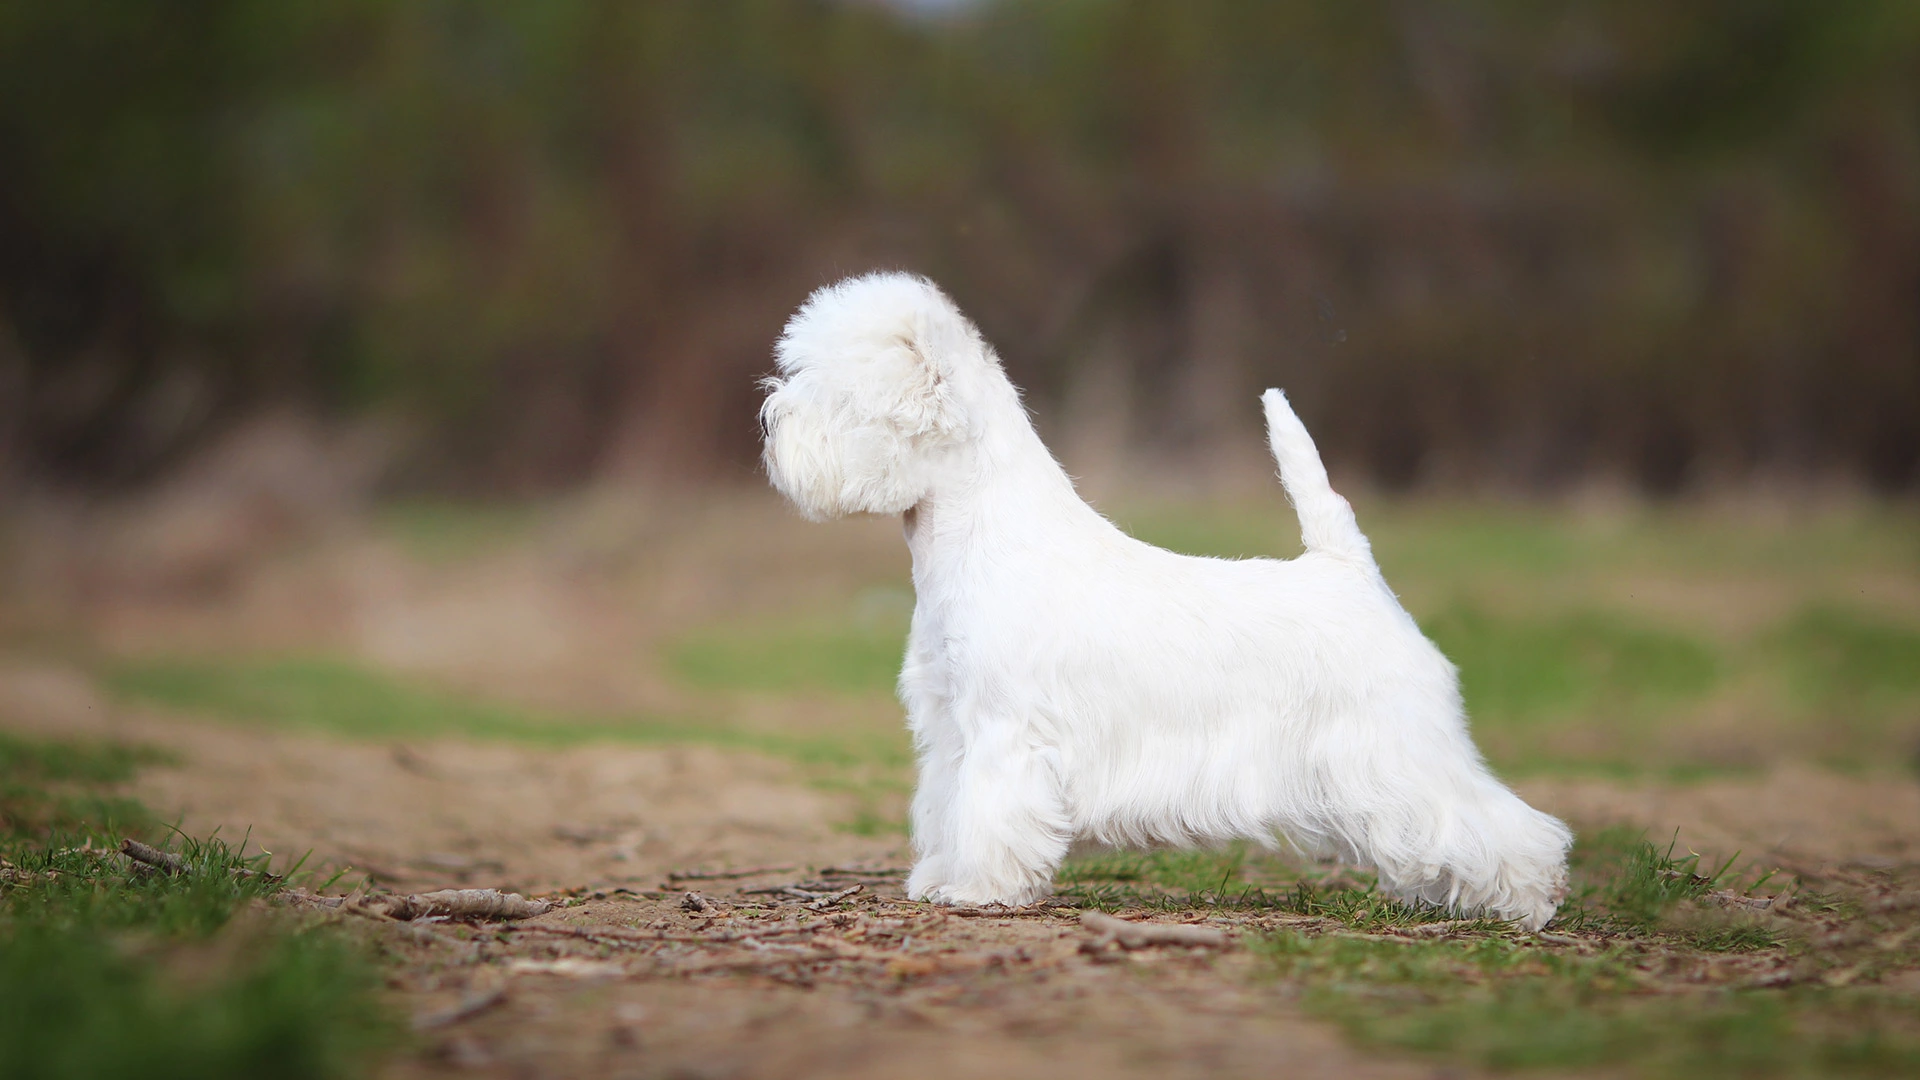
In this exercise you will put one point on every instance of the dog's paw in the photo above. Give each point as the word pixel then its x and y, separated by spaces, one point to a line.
pixel 928 876
pixel 979 894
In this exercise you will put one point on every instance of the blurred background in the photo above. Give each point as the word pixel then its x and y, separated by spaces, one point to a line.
pixel 389 369
pixel 1488 245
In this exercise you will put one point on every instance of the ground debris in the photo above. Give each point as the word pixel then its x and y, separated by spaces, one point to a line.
pixel 152 860
pixel 152 857
pixel 303 898
pixel 1727 898
pixel 864 872
pixel 643 937
pixel 819 900
pixel 570 967
pixel 459 904
pixel 721 875
pixel 1108 931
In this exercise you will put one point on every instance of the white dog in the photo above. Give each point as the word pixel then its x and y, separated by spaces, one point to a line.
pixel 1064 681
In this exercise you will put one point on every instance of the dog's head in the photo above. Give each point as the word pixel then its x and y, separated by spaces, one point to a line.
pixel 868 405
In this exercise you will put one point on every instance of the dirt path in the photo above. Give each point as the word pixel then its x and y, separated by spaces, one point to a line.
pixel 910 991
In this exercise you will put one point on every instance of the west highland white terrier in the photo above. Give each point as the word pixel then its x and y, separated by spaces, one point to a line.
pixel 1064 681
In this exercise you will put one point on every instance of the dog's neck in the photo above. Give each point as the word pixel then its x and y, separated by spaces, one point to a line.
pixel 1002 493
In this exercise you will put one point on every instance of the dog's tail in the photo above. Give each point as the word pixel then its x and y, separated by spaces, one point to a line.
pixel 1326 521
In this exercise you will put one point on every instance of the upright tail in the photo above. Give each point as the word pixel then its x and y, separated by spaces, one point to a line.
pixel 1326 521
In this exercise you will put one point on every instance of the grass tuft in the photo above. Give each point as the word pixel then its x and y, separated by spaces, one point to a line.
pixel 107 970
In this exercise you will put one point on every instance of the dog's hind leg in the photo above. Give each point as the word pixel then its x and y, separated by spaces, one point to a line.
pixel 1006 826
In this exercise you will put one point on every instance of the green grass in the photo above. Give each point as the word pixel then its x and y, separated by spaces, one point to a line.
pixel 106 972
pixel 1835 656
pixel 1503 1006
pixel 48 787
pixel 1621 883
pixel 1120 879
pixel 1624 883
pixel 1639 997
pixel 787 659
pixel 338 697
pixel 1518 670
pixel 1235 878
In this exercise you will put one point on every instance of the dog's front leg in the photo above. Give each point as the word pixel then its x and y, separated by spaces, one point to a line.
pixel 1003 828
pixel 935 793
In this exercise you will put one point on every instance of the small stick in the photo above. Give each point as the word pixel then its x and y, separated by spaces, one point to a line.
pixel 162 861
pixel 996 912
pixel 719 875
pixel 641 937
pixel 854 871
pixel 463 904
pixel 1133 935
pixel 1434 929
pixel 148 856
pixel 823 902
pixel 302 896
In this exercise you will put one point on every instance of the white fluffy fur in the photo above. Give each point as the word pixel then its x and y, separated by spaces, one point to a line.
pixel 1064 681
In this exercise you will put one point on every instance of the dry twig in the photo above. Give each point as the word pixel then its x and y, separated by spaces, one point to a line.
pixel 721 875
pixel 855 871
pixel 996 911
pixel 822 903
pixel 1727 898
pixel 152 860
pixel 164 862
pixel 1108 930
pixel 643 937
pixel 461 904
pixel 1434 929
pixel 571 967
pixel 303 898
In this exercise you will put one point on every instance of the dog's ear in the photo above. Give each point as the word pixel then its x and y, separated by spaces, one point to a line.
pixel 926 404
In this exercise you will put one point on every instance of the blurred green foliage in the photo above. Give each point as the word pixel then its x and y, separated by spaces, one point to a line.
pixel 1519 670
pixel 1514 242
pixel 1837 659
pixel 49 788
pixel 784 659
pixel 345 698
